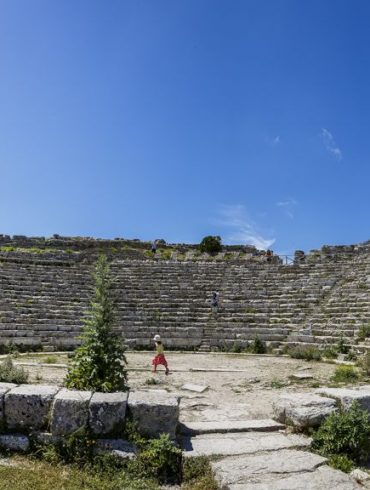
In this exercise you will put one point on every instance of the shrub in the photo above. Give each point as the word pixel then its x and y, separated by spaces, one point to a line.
pixel 307 352
pixel 344 374
pixel 365 362
pixel 330 352
pixel 345 433
pixel 341 462
pixel 51 359
pixel 258 346
pixel 160 459
pixel 363 332
pixel 197 474
pixel 342 347
pixel 12 374
pixel 210 244
pixel 99 363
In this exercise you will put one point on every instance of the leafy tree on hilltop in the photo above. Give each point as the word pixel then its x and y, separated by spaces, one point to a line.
pixel 210 244
pixel 99 363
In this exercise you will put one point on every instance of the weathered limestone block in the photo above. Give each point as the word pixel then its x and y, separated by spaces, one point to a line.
pixel 12 442
pixel 4 388
pixel 346 396
pixel 70 412
pixel 107 412
pixel 303 409
pixel 28 406
pixel 155 412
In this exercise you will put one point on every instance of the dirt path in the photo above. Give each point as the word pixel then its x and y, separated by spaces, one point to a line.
pixel 245 390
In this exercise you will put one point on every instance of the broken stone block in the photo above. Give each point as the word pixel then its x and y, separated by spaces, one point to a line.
pixel 154 412
pixel 70 412
pixel 13 442
pixel 27 407
pixel 303 409
pixel 107 412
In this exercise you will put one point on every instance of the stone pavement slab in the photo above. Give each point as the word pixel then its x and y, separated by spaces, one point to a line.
pixel 241 443
pixel 223 426
pixel 264 466
pixel 324 478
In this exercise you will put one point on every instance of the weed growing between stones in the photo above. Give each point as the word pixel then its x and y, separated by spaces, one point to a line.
pixel 307 352
pixel 11 348
pixel 158 461
pixel 341 462
pixel 346 434
pixel 12 374
pixel 197 474
pixel 345 374
pixel 99 363
pixel 257 346
pixel 363 332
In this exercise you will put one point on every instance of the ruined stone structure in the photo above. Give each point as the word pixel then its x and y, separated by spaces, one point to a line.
pixel 48 413
pixel 45 286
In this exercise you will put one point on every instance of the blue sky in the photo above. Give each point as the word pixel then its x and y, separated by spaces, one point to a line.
pixel 177 119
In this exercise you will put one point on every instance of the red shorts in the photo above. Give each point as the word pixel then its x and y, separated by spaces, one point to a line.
pixel 159 359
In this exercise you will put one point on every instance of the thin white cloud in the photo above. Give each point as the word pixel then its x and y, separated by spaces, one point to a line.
pixel 244 230
pixel 330 144
pixel 288 206
pixel 275 140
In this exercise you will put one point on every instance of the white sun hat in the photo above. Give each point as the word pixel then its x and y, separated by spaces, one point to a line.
pixel 157 338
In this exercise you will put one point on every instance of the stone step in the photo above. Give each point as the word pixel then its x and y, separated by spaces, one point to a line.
pixel 240 443
pixel 224 426
pixel 280 470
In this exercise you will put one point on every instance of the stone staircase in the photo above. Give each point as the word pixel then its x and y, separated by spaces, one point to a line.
pixel 259 455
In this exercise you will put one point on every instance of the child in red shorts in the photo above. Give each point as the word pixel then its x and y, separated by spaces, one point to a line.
pixel 159 358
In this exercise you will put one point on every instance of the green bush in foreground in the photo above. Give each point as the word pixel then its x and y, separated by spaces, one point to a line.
pixel 346 434
pixel 99 363
pixel 157 460
pixel 12 374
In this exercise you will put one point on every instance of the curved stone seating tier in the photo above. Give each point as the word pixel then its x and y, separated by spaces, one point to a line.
pixel 44 296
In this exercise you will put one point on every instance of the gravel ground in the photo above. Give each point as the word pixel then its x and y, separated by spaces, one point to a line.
pixel 240 387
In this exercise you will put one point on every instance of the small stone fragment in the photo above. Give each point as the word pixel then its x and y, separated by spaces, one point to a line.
pixel 193 387
pixel 13 442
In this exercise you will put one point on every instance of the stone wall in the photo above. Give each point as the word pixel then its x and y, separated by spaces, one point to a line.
pixel 46 413
pixel 45 286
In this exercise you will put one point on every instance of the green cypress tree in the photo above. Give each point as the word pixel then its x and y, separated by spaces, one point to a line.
pixel 99 362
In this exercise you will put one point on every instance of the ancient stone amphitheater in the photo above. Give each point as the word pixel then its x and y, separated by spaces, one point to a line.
pixel 316 298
